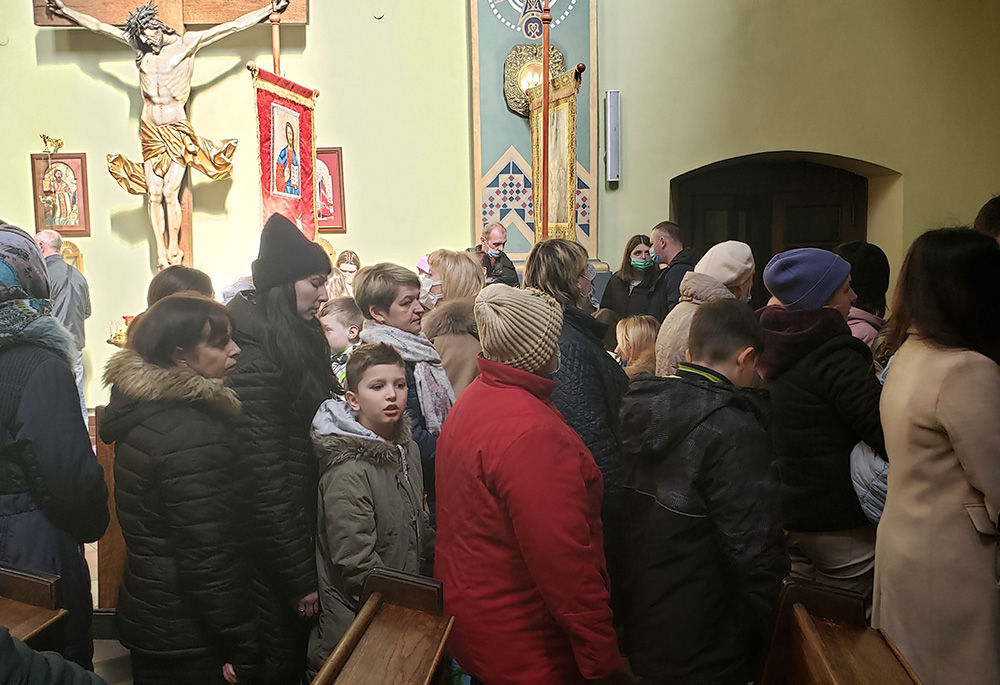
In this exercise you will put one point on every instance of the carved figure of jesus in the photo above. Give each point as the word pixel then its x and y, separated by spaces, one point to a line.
pixel 169 144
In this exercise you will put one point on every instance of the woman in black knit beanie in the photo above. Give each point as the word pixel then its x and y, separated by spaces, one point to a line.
pixel 282 376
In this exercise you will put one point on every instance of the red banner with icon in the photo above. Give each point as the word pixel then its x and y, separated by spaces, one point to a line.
pixel 287 149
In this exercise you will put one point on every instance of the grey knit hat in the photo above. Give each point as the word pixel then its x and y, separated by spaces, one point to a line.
pixel 518 327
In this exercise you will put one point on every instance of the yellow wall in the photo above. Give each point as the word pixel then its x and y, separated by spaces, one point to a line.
pixel 394 93
pixel 912 85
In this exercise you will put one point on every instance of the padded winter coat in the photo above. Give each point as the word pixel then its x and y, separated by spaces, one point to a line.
pixel 520 542
pixel 589 390
pixel 704 540
pixel 21 665
pixel 182 509
pixel 278 457
pixel 825 399
pixel 371 513
pixel 52 491
pixel 672 339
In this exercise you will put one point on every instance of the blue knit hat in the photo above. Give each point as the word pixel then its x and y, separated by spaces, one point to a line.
pixel 805 278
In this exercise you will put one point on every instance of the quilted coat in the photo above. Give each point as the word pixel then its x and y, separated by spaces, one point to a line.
pixel 589 390
pixel 278 457
pixel 520 541
pixel 825 399
pixel 52 491
pixel 181 508
pixel 704 539
pixel 371 513
pixel 936 571
pixel 672 340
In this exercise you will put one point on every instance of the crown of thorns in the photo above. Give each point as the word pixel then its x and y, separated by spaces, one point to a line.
pixel 143 17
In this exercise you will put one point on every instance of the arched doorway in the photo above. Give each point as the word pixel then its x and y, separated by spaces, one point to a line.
pixel 775 201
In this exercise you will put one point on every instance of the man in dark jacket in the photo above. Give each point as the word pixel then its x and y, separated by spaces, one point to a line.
pixel 669 250
pixel 499 268
pixel 702 550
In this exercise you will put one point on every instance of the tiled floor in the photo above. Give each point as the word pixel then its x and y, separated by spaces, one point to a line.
pixel 111 662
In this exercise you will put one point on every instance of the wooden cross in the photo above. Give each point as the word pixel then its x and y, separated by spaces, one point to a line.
pixel 178 15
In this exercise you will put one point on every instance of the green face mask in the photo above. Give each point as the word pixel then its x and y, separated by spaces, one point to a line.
pixel 641 264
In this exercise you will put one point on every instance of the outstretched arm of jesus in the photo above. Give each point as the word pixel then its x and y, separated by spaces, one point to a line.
pixel 86 21
pixel 220 31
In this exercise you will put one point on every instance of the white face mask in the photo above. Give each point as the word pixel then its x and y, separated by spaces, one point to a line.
pixel 426 296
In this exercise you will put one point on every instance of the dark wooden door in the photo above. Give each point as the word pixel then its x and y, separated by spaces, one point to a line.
pixel 772 205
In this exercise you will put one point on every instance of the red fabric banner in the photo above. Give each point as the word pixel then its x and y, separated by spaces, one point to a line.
pixel 287 150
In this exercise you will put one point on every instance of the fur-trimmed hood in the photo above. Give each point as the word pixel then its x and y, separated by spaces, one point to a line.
pixel 47 332
pixel 452 317
pixel 338 436
pixel 135 378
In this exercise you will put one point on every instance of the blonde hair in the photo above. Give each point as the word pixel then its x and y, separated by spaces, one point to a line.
pixel 637 339
pixel 377 286
pixel 336 285
pixel 554 267
pixel 461 273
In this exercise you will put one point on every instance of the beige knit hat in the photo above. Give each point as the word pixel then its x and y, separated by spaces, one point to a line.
pixel 518 327
pixel 730 263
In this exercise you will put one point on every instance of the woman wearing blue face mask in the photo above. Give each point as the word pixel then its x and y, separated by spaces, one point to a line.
pixel 627 292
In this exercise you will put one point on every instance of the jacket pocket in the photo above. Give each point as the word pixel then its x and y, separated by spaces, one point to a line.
pixel 981 519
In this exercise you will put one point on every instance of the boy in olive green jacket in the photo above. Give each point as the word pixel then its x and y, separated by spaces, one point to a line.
pixel 371 494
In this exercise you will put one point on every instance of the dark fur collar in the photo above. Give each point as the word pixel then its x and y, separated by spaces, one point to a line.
pixel 139 380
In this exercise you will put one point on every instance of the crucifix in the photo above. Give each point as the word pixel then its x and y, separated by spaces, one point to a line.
pixel 165 60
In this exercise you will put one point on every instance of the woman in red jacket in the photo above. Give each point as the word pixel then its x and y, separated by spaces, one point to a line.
pixel 520 544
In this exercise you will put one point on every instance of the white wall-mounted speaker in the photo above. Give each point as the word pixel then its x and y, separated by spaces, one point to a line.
pixel 612 135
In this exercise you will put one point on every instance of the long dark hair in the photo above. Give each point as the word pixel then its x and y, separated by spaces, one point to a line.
pixel 179 321
pixel 628 273
pixel 299 347
pixel 949 292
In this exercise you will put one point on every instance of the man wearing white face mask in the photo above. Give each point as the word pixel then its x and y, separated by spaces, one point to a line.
pixel 725 272
pixel 496 263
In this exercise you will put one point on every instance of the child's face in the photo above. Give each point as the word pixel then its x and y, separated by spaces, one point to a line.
pixel 338 336
pixel 380 398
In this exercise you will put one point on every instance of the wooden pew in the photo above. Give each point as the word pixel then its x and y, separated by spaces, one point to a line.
pixel 398 636
pixel 111 546
pixel 28 606
pixel 822 638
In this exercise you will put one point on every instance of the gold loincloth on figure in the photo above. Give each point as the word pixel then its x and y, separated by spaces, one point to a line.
pixel 170 143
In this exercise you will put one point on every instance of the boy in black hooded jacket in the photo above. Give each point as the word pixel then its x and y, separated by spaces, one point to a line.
pixel 703 554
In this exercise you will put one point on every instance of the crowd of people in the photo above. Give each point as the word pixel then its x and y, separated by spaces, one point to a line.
pixel 602 503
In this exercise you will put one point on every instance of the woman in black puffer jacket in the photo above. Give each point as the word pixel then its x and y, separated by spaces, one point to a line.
pixel 282 376
pixel 182 607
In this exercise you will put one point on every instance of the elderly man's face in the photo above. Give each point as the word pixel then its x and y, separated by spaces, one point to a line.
pixel 496 241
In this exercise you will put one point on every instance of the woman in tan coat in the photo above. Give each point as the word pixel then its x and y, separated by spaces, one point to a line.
pixel 456 279
pixel 936 556
pixel 724 273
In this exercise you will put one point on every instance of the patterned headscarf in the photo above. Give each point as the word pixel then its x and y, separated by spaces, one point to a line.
pixel 24 282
